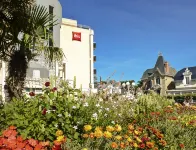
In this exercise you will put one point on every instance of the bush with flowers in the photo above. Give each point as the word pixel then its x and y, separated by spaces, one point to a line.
pixel 69 119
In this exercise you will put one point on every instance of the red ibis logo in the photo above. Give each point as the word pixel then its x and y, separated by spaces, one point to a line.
pixel 76 36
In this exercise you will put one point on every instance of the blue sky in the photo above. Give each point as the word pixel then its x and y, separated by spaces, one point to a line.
pixel 130 33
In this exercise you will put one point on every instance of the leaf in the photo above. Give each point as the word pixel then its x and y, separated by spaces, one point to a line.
pixel 76 134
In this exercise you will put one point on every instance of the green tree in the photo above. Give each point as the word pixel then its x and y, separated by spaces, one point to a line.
pixel 24 32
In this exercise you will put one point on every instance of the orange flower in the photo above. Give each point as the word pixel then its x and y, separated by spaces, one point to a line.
pixel 131 127
pixel 159 135
pixel 85 135
pixel 44 144
pixel 57 143
pixel 150 144
pixel 122 145
pixel 114 145
pixel 155 148
pixel 163 142
pixel 91 135
pixel 12 127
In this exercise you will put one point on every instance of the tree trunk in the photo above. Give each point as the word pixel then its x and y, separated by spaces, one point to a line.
pixel 17 68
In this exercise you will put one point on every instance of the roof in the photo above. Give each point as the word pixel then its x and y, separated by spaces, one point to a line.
pixel 160 67
pixel 147 73
pixel 179 74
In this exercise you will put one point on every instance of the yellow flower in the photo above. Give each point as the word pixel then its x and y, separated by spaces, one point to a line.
pixel 118 128
pixel 98 134
pixel 84 149
pixel 60 138
pixel 136 132
pixel 107 134
pixel 138 139
pixel 59 133
pixel 98 129
pixel 87 127
pixel 126 136
pixel 129 140
pixel 135 145
pixel 110 128
pixel 118 137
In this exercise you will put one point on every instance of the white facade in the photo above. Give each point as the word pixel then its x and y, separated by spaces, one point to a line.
pixel 186 84
pixel 79 61
pixel 39 72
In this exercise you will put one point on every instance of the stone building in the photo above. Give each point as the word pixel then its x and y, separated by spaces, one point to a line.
pixel 160 78
pixel 185 81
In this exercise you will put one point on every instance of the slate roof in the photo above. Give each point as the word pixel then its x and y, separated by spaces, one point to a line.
pixel 160 66
pixel 179 74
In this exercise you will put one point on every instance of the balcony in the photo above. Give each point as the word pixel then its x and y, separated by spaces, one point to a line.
pixel 94 58
pixel 94 45
pixel 95 71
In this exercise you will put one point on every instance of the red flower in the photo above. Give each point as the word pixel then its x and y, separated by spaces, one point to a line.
pixel 32 94
pixel 38 147
pixel 181 145
pixel 47 84
pixel 54 89
pixel 19 139
pixel 44 111
pixel 142 145
pixel 33 142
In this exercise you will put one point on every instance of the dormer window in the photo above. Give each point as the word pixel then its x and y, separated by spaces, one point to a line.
pixel 187 77
pixel 187 80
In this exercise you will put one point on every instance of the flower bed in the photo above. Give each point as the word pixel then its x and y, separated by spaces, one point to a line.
pixel 64 118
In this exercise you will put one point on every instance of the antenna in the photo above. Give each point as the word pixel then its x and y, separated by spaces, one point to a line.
pixel 160 54
pixel 121 76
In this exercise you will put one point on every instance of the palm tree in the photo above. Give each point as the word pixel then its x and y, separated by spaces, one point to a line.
pixel 23 38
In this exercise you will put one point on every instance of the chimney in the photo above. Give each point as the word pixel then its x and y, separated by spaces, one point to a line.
pixel 166 65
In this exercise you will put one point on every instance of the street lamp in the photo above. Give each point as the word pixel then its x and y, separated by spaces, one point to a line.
pixel 123 85
pixel 128 85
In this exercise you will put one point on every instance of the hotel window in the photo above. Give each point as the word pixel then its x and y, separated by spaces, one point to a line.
pixel 157 80
pixel 187 80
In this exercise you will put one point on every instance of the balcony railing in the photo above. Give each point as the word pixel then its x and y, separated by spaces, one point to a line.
pixel 94 46
pixel 94 58
pixel 95 71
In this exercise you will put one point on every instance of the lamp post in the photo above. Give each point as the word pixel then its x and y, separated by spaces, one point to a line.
pixel 128 86
pixel 123 85
pixel 133 85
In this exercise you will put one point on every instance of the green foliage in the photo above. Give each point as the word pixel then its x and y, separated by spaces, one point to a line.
pixel 68 109
pixel 180 98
